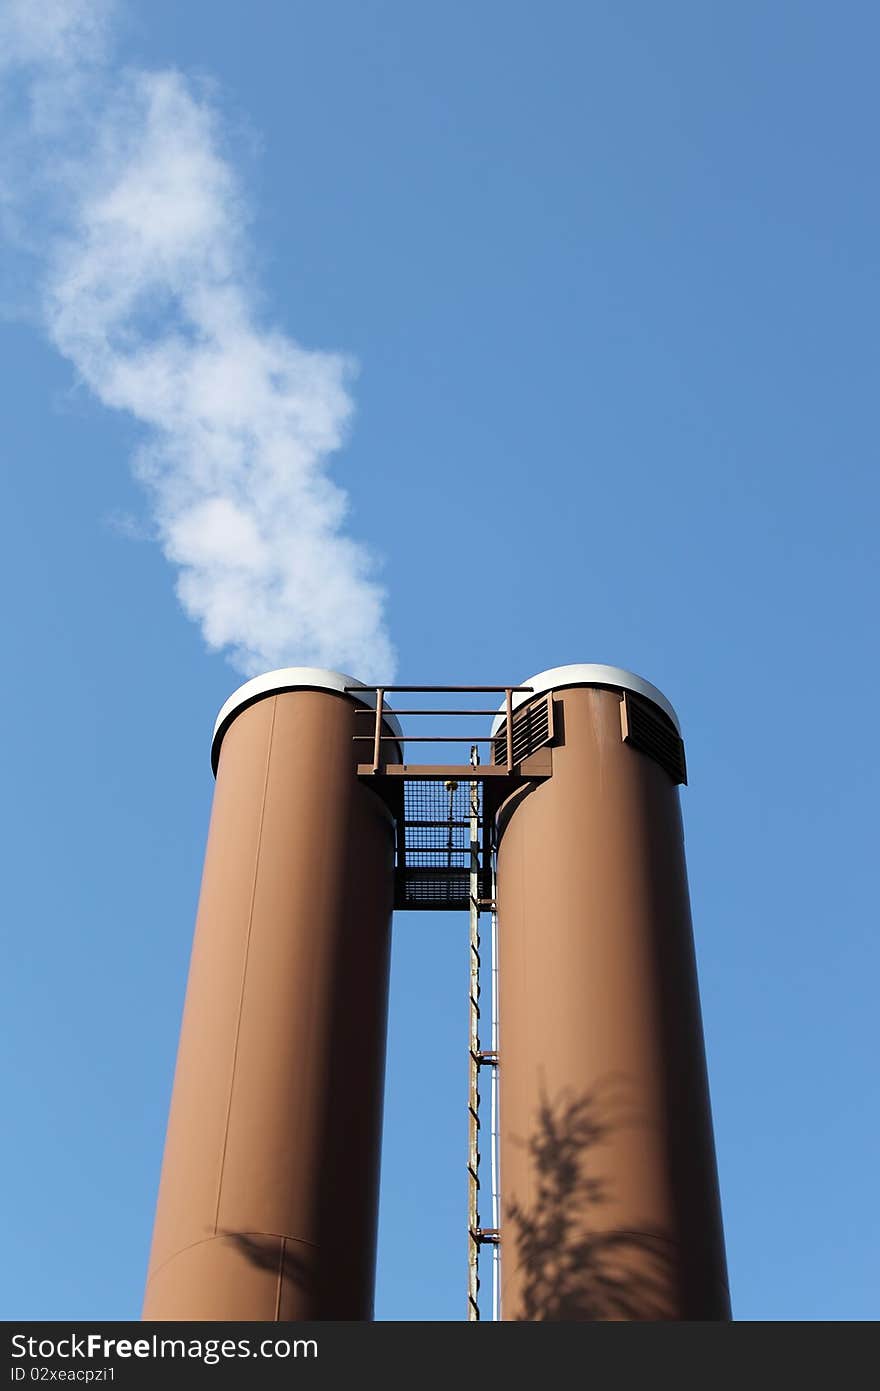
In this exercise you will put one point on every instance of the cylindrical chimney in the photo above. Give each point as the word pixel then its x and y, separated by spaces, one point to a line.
pixel 268 1196
pixel 610 1206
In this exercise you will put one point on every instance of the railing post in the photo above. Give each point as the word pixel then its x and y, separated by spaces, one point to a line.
pixel 508 697
pixel 377 738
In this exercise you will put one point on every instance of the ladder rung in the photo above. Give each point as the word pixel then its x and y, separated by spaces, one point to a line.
pixel 488 1236
pixel 480 881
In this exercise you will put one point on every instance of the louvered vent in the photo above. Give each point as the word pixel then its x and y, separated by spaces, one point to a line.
pixel 648 729
pixel 532 729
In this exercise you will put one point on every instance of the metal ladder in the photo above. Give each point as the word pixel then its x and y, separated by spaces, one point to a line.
pixel 478 1236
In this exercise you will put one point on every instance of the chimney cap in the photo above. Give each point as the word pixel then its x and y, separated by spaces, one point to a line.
pixel 589 674
pixel 293 679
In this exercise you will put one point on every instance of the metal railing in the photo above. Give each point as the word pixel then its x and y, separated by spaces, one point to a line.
pixel 380 714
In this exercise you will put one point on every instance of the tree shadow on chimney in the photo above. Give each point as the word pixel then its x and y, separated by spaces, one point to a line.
pixel 572 1268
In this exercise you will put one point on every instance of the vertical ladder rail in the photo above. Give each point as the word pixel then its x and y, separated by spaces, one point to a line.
pixel 495 1176
pixel 474 1056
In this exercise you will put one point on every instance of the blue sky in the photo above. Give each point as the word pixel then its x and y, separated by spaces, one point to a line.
pixel 610 276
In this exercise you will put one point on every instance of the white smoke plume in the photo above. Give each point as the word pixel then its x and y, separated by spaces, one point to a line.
pixel 148 294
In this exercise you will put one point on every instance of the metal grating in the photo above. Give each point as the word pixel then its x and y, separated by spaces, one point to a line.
pixel 434 859
pixel 437 866
pixel 648 729
pixel 437 812
pixel 532 729
pixel 440 889
pixel 438 859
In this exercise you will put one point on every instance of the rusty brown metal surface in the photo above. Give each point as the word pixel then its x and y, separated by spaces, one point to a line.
pixel 268 1196
pixel 610 1205
pixel 432 772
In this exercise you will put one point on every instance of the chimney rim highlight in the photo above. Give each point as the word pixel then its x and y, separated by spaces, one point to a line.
pixel 589 674
pixel 293 679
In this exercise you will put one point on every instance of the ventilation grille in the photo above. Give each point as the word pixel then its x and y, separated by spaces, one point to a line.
pixel 646 728
pixel 532 729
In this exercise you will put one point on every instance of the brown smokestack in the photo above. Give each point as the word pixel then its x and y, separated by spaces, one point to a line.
pixel 610 1205
pixel 268 1197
